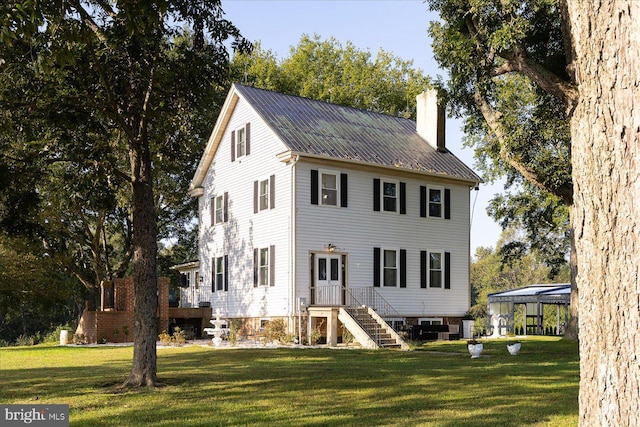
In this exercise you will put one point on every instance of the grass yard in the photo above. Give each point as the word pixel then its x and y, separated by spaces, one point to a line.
pixel 438 384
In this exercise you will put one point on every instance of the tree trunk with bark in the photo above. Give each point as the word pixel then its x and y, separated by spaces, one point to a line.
pixel 605 130
pixel 145 233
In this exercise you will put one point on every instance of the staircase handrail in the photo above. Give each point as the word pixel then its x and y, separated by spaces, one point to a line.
pixel 368 297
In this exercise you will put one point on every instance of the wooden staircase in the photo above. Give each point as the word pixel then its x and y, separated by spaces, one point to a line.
pixel 377 330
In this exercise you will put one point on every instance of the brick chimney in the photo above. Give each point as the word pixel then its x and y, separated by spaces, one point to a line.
pixel 430 119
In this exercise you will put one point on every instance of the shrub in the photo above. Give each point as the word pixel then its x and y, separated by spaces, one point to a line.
pixel 316 333
pixel 276 330
pixel 235 329
pixel 176 339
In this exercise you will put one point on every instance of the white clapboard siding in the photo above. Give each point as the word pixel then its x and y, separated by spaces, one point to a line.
pixel 357 229
pixel 245 230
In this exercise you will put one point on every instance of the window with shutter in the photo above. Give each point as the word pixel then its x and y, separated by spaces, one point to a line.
pixel 390 267
pixel 390 195
pixel 264 266
pixel 240 142
pixel 435 269
pixel 220 274
pixel 328 188
pixel 435 202
pixel 264 194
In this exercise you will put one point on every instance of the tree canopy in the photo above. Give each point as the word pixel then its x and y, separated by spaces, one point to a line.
pixel 106 104
pixel 327 70
pixel 508 79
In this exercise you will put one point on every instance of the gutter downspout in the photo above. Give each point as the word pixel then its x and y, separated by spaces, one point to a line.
pixel 293 309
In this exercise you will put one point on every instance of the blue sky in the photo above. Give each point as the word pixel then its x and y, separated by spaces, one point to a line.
pixel 398 26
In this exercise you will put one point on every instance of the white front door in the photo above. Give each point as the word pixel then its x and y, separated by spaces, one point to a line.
pixel 328 279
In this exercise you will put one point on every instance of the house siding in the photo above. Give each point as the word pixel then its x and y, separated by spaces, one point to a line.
pixel 245 230
pixel 357 229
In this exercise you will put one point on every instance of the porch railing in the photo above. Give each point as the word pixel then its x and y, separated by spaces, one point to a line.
pixel 336 295
pixel 369 297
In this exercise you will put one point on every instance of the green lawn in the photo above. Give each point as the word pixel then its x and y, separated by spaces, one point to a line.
pixel 436 385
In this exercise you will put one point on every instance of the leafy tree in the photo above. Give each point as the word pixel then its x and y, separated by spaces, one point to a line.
pixel 584 56
pixel 326 70
pixel 508 78
pixel 34 296
pixel 132 80
pixel 495 270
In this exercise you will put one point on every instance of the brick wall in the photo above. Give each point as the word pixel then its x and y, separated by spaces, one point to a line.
pixel 116 325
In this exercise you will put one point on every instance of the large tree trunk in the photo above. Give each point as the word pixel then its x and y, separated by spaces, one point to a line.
pixel 605 130
pixel 572 328
pixel 145 232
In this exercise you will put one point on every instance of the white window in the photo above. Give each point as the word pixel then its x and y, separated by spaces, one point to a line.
pixel 264 195
pixel 390 196
pixel 329 188
pixel 389 267
pixel 263 267
pixel 435 202
pixel 436 265
pixel 220 274
pixel 219 209
pixel 241 142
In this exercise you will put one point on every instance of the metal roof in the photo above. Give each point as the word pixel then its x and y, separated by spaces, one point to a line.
pixel 333 131
pixel 533 293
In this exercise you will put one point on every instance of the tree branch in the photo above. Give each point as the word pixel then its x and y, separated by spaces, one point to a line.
pixel 565 91
pixel 492 117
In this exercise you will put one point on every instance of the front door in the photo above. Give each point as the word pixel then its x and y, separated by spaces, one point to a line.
pixel 328 285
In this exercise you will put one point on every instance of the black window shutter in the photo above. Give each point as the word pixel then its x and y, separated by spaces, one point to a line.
pixel 423 269
pixel 376 194
pixel 423 201
pixel 272 191
pixel 314 187
pixel 247 139
pixel 272 265
pixel 403 198
pixel 403 268
pixel 256 260
pixel 447 203
pixel 233 146
pixel 226 272
pixel 343 190
pixel 447 270
pixel 226 207
pixel 376 267
pixel 213 274
pixel 255 196
pixel 312 261
pixel 213 211
pixel 182 281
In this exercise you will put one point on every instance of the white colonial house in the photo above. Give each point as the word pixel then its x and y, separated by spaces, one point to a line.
pixel 309 210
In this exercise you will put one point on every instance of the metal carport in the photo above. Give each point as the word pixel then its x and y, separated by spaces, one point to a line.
pixel 534 297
